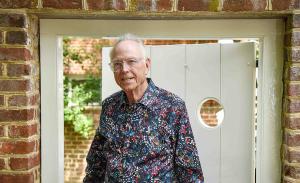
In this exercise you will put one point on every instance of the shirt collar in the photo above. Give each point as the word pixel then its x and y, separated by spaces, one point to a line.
pixel 148 98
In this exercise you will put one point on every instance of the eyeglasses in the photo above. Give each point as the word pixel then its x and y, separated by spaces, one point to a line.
pixel 117 65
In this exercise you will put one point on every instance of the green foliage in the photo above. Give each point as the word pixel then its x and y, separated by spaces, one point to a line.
pixel 70 54
pixel 93 85
pixel 77 95
pixel 76 55
pixel 213 5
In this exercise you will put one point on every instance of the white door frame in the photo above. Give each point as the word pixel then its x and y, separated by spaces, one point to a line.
pixel 269 31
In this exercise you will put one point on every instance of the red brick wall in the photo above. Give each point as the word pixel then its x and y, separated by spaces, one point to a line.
pixel 19 99
pixel 155 5
pixel 76 148
pixel 208 112
pixel 19 67
pixel 291 107
pixel 90 50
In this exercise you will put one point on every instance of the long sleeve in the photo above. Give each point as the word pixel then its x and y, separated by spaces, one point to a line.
pixel 96 160
pixel 187 163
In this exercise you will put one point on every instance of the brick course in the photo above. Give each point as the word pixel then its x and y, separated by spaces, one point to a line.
pixel 15 54
pixel 106 5
pixel 293 73
pixel 12 20
pixel 291 171
pixel 18 3
pixel 164 5
pixel 15 85
pixel 292 139
pixel 16 37
pixel 237 5
pixel 23 100
pixel 285 5
pixel 17 147
pixel 292 122
pixel 24 163
pixel 76 149
pixel 292 39
pixel 193 5
pixel 16 115
pixel 70 4
pixel 22 130
pixel 292 155
pixel 293 21
pixel 149 5
pixel 246 5
pixel 293 55
pixel 292 89
pixel 292 105
pixel 17 178
pixel 16 70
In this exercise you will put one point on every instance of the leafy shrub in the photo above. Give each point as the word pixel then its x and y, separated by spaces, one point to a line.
pixel 78 95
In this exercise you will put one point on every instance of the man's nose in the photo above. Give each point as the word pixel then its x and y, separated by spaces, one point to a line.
pixel 125 67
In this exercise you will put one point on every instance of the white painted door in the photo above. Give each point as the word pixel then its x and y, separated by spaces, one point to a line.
pixel 222 71
pixel 225 72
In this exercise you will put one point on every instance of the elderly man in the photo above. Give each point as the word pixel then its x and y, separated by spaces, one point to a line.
pixel 144 133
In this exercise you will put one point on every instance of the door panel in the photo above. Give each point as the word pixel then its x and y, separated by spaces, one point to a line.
pixel 238 86
pixel 167 69
pixel 203 80
pixel 109 85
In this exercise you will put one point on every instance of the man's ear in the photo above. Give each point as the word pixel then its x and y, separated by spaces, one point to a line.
pixel 148 65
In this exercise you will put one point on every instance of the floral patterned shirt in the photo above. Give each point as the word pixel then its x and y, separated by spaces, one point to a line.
pixel 148 141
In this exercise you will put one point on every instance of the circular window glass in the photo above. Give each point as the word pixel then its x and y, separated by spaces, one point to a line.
pixel 211 112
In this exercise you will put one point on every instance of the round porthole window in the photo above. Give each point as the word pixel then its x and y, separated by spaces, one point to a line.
pixel 211 112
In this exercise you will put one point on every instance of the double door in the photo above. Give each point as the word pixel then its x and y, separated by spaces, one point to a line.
pixel 200 72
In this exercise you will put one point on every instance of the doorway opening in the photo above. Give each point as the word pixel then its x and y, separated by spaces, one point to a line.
pixel 269 32
pixel 83 59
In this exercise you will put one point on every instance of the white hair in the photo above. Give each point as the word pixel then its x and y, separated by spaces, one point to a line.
pixel 129 37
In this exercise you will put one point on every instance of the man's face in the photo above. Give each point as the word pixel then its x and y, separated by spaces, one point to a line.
pixel 131 77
